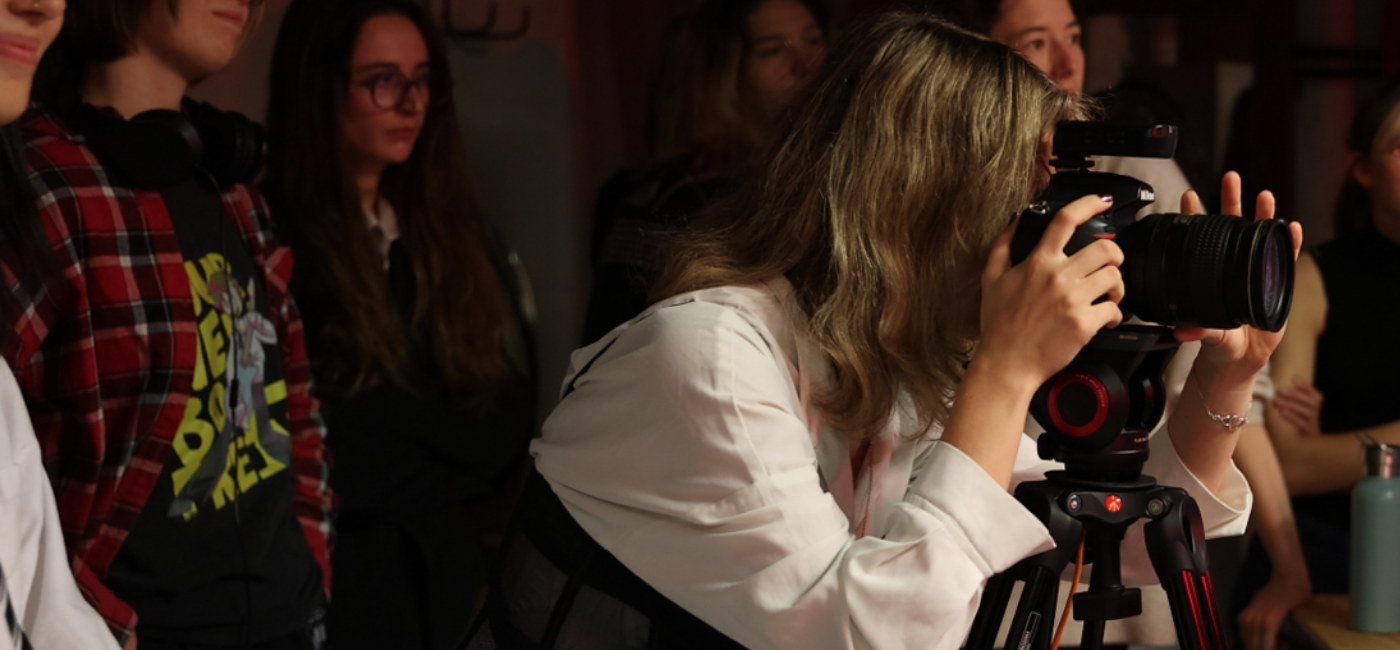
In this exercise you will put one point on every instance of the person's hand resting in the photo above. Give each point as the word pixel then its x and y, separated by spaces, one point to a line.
pixel 1301 406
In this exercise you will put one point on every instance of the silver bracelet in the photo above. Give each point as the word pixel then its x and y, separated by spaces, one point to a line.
pixel 1232 423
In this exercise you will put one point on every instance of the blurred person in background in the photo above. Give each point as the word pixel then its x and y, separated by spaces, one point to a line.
pixel 734 66
pixel 1331 351
pixel 415 316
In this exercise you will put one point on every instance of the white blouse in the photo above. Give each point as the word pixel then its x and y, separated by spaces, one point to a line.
pixel 691 451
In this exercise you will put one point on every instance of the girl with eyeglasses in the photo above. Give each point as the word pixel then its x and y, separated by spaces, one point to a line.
pixel 415 319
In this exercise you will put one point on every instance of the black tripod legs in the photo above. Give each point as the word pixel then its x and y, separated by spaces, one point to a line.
pixel 1032 624
pixel 1176 543
pixel 1100 514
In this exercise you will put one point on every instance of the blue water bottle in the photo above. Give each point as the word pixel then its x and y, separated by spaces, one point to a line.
pixel 1375 543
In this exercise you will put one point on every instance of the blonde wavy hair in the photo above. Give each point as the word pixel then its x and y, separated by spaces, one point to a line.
pixel 879 199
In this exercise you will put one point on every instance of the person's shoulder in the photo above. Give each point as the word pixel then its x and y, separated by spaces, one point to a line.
pixel 43 121
pixel 1145 168
pixel 46 131
pixel 728 309
pixel 1309 309
pixel 56 154
pixel 696 327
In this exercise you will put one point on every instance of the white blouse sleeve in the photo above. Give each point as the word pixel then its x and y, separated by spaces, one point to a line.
pixel 45 595
pixel 682 452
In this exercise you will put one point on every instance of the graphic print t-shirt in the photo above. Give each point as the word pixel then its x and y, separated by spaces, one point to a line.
pixel 218 533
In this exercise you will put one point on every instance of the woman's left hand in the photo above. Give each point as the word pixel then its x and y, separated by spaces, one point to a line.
pixel 1244 350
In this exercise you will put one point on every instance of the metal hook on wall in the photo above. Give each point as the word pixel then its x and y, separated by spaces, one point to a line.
pixel 486 31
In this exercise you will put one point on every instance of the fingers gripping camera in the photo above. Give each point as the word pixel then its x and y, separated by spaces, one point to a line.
pixel 1216 271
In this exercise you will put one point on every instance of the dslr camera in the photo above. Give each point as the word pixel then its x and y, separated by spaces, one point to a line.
pixel 1211 270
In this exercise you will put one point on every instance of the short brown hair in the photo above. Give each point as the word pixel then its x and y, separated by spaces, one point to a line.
pixel 100 31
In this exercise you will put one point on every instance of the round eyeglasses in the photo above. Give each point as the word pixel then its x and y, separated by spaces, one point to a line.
pixel 390 88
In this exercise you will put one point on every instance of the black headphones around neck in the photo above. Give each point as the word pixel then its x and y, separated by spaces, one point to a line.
pixel 163 148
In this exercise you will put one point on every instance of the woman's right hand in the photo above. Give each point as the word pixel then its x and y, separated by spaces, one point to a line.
pixel 1037 315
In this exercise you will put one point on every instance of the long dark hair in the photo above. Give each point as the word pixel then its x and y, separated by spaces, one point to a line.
pixel 356 339
pixel 1352 214
pixel 24 247
pixel 700 108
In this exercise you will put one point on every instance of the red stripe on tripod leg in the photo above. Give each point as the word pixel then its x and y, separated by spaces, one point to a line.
pixel 1212 610
pixel 1188 581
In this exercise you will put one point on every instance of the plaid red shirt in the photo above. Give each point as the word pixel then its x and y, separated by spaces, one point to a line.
pixel 106 356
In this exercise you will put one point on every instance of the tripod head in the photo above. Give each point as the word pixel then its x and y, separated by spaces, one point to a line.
pixel 1098 411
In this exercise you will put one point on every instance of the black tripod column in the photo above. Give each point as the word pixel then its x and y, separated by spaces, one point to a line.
pixel 1176 543
pixel 1106 599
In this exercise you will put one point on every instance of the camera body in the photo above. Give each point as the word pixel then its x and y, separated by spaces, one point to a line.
pixel 1075 143
pixel 1129 194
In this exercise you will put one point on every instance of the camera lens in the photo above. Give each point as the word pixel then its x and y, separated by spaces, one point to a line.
pixel 1211 270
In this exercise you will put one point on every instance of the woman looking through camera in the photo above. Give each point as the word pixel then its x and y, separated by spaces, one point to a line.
pixel 809 440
